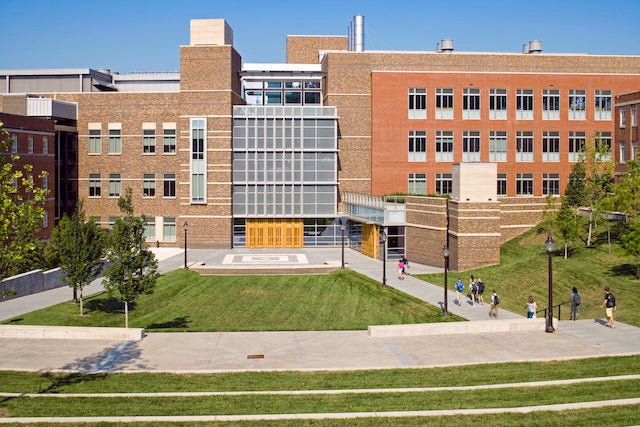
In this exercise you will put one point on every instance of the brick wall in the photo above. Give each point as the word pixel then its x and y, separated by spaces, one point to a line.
pixel 304 49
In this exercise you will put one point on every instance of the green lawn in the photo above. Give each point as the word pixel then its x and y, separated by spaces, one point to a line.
pixel 186 301
pixel 523 271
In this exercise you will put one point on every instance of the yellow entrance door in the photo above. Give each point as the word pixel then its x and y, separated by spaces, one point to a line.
pixel 274 233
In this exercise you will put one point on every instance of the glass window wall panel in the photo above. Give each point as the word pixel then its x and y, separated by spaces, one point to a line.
pixel 550 146
pixel 602 110
pixel 524 104
pixel 417 146
pixel 497 104
pixel 148 185
pixel 497 146
pixel 312 98
pixel 169 141
pixel 502 184
pixel 273 84
pixel 444 103
pixel 95 141
pixel 524 146
pixel 577 104
pixel 604 143
pixel 417 103
pixel 470 146
pixel 169 229
pixel 471 103
pixel 524 184
pixel 577 141
pixel 444 183
pixel 115 141
pixel 288 84
pixel 293 98
pixel 417 183
pixel 551 104
pixel 550 184
pixel 273 98
pixel 444 146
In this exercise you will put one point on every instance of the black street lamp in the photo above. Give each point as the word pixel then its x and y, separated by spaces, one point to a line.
pixel 384 259
pixel 185 227
pixel 445 254
pixel 550 244
pixel 342 227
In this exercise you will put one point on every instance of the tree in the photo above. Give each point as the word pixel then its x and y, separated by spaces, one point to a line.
pixel 80 249
pixel 564 222
pixel 133 267
pixel 626 199
pixel 21 212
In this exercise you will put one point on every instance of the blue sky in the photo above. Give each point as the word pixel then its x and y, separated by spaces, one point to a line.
pixel 145 35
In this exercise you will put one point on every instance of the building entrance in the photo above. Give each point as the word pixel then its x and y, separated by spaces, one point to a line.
pixel 274 233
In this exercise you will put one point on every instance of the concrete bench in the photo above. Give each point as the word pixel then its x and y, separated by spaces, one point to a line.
pixel 70 333
pixel 470 327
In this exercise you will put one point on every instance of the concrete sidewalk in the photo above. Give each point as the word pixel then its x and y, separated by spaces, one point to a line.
pixel 313 350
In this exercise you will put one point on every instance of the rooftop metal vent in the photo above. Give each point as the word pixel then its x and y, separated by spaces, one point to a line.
pixel 446 45
pixel 534 46
pixel 356 34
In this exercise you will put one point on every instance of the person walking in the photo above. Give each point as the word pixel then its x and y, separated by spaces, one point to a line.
pixel 472 290
pixel 480 288
pixel 400 270
pixel 459 290
pixel 575 302
pixel 495 301
pixel 405 265
pixel 610 305
pixel 531 307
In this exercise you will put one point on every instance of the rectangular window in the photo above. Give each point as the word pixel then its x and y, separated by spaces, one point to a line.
pixel 30 144
pixel 604 143
pixel 45 145
pixel 115 185
pixel 45 182
pixel 169 141
pixel 14 144
pixel 169 184
pixel 550 146
pixel 444 183
pixel 111 221
pixel 150 229
pixel 293 98
pixel 417 183
pixel 577 104
pixel 115 141
pixel 471 146
pixel 623 153
pixel 524 184
pixel 45 219
pixel 417 103
pixel 149 185
pixel 577 141
pixel 273 98
pixel 169 229
pixel 551 104
pixel 524 104
pixel 602 110
pixel 95 141
pixel 198 160
pixel 497 104
pixel 95 187
pixel 470 103
pixel 312 98
pixel 502 184
pixel 623 117
pixel 634 115
pixel 444 103
pixel 550 184
pixel 444 146
pixel 417 146
pixel 149 141
pixel 524 146
pixel 497 146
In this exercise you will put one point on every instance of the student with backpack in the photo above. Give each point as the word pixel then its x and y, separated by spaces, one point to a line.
pixel 575 302
pixel 480 288
pixel 495 301
pixel 610 303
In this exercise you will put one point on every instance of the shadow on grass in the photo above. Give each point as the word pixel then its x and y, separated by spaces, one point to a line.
pixel 628 270
pixel 108 305
pixel 177 323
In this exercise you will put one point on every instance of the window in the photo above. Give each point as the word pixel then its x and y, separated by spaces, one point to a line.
pixel 417 183
pixel 95 141
pixel 169 141
pixel 149 141
pixel 470 103
pixel 550 184
pixel 115 185
pixel 148 185
pixel 550 146
pixel 577 105
pixel 111 221
pixel 623 153
pixel 30 144
pixel 150 229
pixel 623 117
pixel 45 219
pixel 417 103
pixel 417 146
pixel 577 141
pixel 45 181
pixel 312 98
pixel 502 184
pixel 471 146
pixel 198 161
pixel 524 184
pixel 169 184
pixel 444 103
pixel 45 145
pixel 293 98
pixel 498 104
pixel 497 146
pixel 524 146
pixel 602 110
pixel 634 115
pixel 94 185
pixel 169 229
pixel 14 144
pixel 524 104
pixel 273 97
pixel 550 104
pixel 444 146
pixel 604 143
pixel 115 141
pixel 444 183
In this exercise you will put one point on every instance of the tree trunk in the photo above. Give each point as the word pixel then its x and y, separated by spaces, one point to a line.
pixel 81 307
pixel 75 295
pixel 590 228
pixel 126 314
pixel 566 250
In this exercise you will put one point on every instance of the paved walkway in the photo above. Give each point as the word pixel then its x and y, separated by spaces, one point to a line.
pixel 311 350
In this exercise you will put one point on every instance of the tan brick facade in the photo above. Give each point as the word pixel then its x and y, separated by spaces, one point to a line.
pixel 305 49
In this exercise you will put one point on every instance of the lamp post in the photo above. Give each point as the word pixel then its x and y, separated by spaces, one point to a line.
pixel 342 227
pixel 445 254
pixel 185 227
pixel 550 244
pixel 384 259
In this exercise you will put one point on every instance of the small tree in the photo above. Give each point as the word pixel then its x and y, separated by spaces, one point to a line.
pixel 626 198
pixel 21 212
pixel 563 222
pixel 80 248
pixel 133 267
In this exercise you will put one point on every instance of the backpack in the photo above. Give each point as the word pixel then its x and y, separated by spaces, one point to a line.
pixel 576 299
pixel 612 301
pixel 480 286
pixel 496 299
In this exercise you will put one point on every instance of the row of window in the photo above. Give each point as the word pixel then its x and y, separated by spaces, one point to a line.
pixel 168 227
pixel 148 185
pixel 30 144
pixel 287 92
pixel 148 142
pixel 498 142
pixel 417 184
pixel 499 104
pixel 634 115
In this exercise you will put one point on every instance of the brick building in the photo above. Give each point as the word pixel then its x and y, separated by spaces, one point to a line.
pixel 274 155
pixel 625 122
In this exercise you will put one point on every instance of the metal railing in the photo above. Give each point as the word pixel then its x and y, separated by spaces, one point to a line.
pixel 544 310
